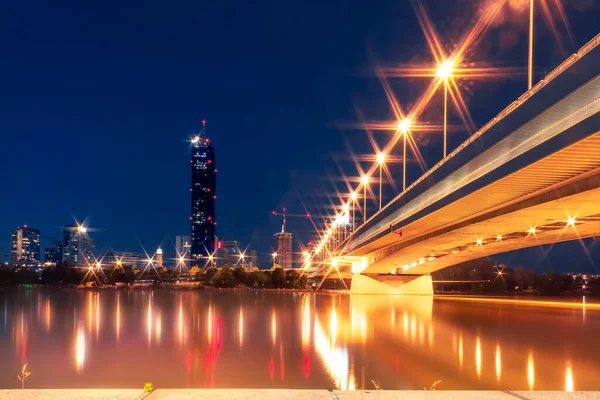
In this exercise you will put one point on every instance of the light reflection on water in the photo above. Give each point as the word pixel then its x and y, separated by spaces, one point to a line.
pixel 75 338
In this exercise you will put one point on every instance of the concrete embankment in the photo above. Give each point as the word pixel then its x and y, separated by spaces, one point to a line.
pixel 283 394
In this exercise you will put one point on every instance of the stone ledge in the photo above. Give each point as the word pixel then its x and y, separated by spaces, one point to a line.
pixel 266 394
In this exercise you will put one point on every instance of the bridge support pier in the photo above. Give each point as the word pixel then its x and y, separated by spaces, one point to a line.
pixel 392 284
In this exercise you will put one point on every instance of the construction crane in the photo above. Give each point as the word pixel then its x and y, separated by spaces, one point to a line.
pixel 285 214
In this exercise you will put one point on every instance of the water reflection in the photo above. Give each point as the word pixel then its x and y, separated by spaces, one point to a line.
pixel 498 363
pixel 305 323
pixel 530 371
pixel 569 378
pixel 241 326
pixel 273 327
pixel 118 317
pixel 257 339
pixel 149 321
pixel 478 356
pixel 80 348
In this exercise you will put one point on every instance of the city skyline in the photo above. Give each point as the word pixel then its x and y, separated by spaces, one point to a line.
pixel 101 187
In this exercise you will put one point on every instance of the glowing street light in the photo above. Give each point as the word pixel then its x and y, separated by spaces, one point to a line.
pixel 404 127
pixel 346 208
pixel 445 69
pixel 365 181
pixel 380 161
pixel 444 72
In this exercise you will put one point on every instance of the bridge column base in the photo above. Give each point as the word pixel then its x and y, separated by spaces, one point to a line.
pixel 392 284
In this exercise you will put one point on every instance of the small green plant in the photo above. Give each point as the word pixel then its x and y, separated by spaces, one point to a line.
pixel 24 374
pixel 432 386
pixel 148 387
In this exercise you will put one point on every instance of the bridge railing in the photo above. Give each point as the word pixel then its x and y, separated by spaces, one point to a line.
pixel 507 110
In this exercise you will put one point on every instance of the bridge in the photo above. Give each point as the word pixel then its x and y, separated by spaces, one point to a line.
pixel 531 176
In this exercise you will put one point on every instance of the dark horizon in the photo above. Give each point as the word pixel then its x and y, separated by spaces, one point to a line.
pixel 100 102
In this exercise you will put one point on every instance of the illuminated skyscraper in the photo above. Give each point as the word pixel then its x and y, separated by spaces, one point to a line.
pixel 204 184
pixel 77 245
pixel 25 246
pixel 282 244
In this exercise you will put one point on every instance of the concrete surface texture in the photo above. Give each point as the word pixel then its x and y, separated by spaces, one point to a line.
pixel 284 394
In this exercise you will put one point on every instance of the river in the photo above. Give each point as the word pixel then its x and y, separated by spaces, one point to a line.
pixel 254 339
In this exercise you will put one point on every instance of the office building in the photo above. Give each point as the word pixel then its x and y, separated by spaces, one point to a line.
pixel 25 246
pixel 77 245
pixel 228 253
pixel 282 245
pixel 203 196
pixel 53 254
pixel 183 245
pixel 253 263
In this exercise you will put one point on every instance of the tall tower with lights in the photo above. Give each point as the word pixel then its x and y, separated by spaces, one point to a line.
pixel 25 246
pixel 203 190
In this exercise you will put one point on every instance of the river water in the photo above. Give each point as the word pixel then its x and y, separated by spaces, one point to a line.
pixel 227 339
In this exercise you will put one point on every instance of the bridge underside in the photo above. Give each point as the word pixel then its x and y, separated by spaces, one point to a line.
pixel 528 208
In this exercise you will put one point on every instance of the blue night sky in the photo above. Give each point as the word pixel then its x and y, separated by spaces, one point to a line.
pixel 99 99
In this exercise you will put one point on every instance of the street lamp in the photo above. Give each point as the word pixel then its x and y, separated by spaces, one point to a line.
pixel 380 161
pixel 404 127
pixel 353 196
pixel 530 55
pixel 444 72
pixel 365 181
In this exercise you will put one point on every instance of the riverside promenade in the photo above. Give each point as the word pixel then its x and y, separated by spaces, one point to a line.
pixel 284 394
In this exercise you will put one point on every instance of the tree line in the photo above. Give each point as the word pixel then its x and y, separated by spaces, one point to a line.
pixel 484 276
pixel 226 277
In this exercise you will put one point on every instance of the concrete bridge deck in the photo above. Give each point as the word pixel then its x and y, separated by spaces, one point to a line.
pixel 283 394
pixel 529 177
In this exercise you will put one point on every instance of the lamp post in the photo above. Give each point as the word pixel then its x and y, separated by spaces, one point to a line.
pixel 380 161
pixel 404 126
pixel 365 181
pixel 444 72
pixel 530 56
pixel 353 196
